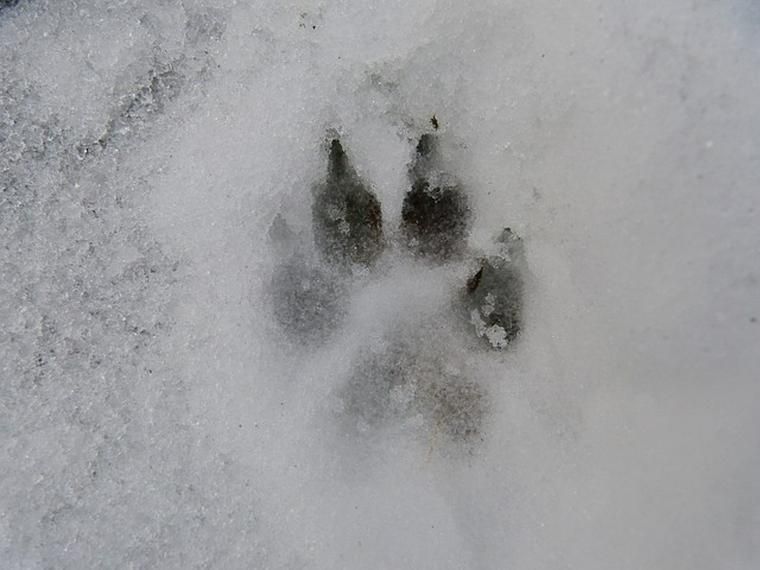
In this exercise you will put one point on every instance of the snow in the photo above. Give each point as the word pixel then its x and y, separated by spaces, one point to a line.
pixel 154 414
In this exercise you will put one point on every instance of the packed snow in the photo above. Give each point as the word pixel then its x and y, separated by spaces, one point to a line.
pixel 156 413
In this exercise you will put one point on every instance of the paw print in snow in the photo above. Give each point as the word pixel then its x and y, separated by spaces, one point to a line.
pixel 414 376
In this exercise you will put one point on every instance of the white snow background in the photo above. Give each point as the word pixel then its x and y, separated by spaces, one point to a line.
pixel 153 416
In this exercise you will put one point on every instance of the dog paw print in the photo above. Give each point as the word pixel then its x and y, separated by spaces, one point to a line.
pixel 416 374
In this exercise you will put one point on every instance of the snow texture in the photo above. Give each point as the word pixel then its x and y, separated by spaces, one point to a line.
pixel 156 413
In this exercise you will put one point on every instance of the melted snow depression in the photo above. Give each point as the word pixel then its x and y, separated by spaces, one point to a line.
pixel 323 284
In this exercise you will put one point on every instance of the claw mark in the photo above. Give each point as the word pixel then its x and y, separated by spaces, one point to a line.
pixel 493 295
pixel 435 214
pixel 348 224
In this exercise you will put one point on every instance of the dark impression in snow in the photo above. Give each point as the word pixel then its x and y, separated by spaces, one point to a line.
pixel 404 379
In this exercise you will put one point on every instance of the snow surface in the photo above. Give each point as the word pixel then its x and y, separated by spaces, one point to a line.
pixel 152 414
